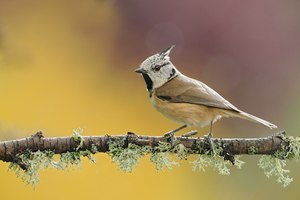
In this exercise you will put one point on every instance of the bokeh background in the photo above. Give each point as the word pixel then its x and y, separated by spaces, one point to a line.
pixel 67 64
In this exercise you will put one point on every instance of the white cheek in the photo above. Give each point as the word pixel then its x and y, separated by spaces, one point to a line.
pixel 165 74
pixel 158 79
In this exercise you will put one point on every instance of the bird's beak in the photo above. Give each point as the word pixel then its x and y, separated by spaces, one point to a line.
pixel 140 71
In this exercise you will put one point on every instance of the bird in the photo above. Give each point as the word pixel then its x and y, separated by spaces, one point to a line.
pixel 185 100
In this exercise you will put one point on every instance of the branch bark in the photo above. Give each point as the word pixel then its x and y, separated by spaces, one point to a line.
pixel 233 146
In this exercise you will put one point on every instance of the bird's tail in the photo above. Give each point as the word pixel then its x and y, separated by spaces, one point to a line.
pixel 252 118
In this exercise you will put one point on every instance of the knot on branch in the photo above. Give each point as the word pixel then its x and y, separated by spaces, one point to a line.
pixel 37 136
pixel 227 154
pixel 130 138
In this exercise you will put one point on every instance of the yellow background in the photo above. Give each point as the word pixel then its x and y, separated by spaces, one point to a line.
pixel 68 64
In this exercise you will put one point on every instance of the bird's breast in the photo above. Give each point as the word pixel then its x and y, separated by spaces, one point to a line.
pixel 185 113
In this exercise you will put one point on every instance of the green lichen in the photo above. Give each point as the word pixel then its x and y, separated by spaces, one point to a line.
pixel 161 157
pixel 238 162
pixel 125 158
pixel 252 150
pixel 273 166
pixel 161 160
pixel 200 148
pixel 77 137
pixel 74 158
pixel 215 161
pixel 126 155
pixel 69 158
pixel 28 164
pixel 32 163
pixel 290 149
pixel 94 149
pixel 181 151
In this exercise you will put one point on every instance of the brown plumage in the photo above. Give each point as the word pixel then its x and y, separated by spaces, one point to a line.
pixel 186 100
pixel 191 102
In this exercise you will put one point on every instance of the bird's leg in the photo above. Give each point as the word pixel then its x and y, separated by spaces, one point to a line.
pixel 209 136
pixel 171 134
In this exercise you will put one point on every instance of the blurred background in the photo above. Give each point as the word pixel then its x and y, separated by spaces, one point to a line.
pixel 68 64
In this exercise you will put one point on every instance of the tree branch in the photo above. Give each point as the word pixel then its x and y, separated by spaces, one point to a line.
pixel 231 146
pixel 29 155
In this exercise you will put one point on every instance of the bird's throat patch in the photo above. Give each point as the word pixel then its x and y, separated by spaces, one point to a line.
pixel 149 83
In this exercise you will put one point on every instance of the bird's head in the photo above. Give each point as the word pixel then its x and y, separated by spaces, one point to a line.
pixel 158 69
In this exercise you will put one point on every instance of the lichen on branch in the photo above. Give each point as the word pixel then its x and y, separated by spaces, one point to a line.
pixel 29 155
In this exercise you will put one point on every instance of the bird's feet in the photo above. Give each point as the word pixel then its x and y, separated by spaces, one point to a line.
pixel 170 137
pixel 169 134
pixel 190 133
pixel 208 137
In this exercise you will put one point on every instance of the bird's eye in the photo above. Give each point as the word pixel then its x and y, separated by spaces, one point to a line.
pixel 157 67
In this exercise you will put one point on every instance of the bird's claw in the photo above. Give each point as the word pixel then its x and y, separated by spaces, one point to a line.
pixel 170 137
pixel 208 137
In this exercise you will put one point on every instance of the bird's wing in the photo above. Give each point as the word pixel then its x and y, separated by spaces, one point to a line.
pixel 183 89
